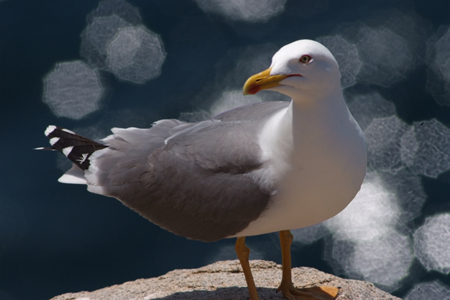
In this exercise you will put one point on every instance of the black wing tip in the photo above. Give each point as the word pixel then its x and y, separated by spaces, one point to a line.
pixel 74 146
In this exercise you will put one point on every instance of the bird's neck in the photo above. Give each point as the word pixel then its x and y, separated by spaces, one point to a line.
pixel 305 128
pixel 312 121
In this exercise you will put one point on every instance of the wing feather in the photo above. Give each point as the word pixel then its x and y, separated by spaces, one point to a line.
pixel 191 179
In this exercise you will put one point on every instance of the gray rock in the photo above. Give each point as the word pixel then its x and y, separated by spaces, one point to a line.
pixel 224 280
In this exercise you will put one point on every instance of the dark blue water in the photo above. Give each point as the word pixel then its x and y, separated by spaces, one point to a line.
pixel 57 238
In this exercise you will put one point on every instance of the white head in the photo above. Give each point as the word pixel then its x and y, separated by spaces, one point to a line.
pixel 304 69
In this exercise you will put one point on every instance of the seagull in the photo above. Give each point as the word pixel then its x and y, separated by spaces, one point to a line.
pixel 256 169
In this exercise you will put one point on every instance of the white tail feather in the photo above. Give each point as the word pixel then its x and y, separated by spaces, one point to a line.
pixel 74 176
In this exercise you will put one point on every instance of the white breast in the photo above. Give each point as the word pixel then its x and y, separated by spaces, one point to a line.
pixel 317 160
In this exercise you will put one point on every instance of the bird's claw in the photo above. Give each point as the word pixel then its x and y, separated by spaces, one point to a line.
pixel 318 292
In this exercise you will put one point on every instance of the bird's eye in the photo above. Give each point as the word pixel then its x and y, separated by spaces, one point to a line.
pixel 305 59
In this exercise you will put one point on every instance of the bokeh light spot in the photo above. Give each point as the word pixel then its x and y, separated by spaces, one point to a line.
pixel 366 107
pixel 346 55
pixel 384 260
pixel 371 214
pixel 430 148
pixel 247 11
pixel 365 242
pixel 72 90
pixel 432 243
pixel 383 138
pixel 429 290
pixel 96 37
pixel 135 54
pixel 438 58
pixel 116 41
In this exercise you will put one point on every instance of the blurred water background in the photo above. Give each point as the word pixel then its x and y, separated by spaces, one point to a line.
pixel 92 65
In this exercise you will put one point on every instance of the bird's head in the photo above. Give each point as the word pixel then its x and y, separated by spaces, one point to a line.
pixel 299 70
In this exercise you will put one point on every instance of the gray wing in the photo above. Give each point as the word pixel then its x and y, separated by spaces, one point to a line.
pixel 193 182
pixel 252 112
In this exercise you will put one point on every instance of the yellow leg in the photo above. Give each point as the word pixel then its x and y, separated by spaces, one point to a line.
pixel 287 288
pixel 243 253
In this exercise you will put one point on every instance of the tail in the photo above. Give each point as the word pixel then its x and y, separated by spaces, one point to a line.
pixel 75 147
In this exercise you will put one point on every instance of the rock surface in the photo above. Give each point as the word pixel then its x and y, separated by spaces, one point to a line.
pixel 224 280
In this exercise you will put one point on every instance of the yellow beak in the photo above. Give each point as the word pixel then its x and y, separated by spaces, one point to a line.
pixel 262 81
